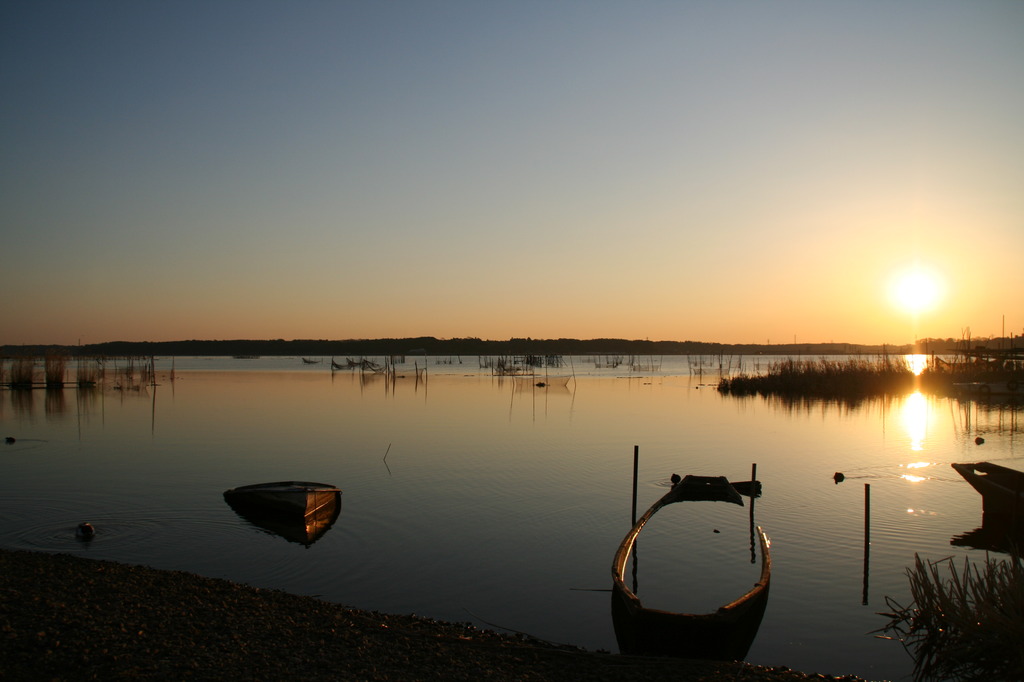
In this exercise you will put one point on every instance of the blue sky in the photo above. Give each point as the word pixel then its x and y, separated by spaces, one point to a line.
pixel 721 171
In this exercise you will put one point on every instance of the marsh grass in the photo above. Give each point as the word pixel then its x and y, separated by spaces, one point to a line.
pixel 136 373
pixel 55 368
pixel 89 372
pixel 825 378
pixel 969 626
pixel 22 372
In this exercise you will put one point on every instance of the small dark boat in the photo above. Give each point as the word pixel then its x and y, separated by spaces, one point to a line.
pixel 288 497
pixel 302 529
pixel 1001 488
pixel 308 361
pixel 299 511
pixel 725 634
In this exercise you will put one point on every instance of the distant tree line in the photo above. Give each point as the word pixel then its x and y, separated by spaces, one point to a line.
pixel 429 345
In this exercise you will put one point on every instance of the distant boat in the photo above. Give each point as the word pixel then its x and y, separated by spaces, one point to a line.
pixel 309 361
pixel 725 634
pixel 287 497
pixel 1001 488
pixel 985 388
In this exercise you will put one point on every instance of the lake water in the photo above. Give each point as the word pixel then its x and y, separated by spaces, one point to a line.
pixel 490 500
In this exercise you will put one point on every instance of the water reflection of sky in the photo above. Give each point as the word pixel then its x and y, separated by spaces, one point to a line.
pixel 493 489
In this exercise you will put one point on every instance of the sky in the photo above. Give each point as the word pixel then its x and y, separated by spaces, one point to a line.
pixel 734 172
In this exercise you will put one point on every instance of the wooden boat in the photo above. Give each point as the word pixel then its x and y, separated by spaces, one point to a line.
pixel 1001 488
pixel 304 529
pixel 297 498
pixel 308 361
pixel 725 634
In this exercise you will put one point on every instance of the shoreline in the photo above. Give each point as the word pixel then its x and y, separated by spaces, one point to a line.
pixel 64 617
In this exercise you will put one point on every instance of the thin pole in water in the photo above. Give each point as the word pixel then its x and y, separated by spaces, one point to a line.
pixel 867 539
pixel 753 496
pixel 636 463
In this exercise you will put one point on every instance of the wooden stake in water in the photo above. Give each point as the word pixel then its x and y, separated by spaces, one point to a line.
pixel 867 539
pixel 636 463
pixel 753 496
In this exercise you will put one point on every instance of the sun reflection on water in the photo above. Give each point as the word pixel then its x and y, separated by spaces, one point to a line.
pixel 915 419
pixel 914 478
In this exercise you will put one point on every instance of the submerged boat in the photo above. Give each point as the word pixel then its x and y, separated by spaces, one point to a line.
pixel 1001 488
pixel 724 634
pixel 288 497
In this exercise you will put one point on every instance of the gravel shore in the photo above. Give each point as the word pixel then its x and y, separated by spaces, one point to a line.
pixel 69 618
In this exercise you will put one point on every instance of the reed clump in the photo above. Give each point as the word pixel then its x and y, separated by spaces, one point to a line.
pixel 968 626
pixel 55 368
pixel 89 372
pixel 22 372
pixel 825 378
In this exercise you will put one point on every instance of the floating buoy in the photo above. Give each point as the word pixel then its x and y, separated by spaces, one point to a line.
pixel 838 478
pixel 85 530
pixel 716 531
pixel 979 440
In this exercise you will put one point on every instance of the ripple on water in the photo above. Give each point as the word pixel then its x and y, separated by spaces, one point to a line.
pixel 49 524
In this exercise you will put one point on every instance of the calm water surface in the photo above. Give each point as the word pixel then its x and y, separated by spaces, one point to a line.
pixel 490 500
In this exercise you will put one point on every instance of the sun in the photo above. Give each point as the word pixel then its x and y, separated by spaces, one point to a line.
pixel 916 291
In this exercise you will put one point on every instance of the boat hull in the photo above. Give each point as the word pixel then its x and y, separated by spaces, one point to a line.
pixel 1001 488
pixel 301 498
pixel 304 529
pixel 724 634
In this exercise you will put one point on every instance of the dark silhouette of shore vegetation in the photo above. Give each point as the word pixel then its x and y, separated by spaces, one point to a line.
pixel 859 377
pixel 466 346
pixel 964 625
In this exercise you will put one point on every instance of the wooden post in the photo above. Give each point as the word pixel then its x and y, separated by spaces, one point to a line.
pixel 867 539
pixel 753 496
pixel 636 463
